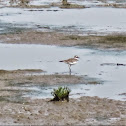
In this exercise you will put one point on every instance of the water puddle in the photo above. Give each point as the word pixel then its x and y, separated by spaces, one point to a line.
pixel 96 21
pixel 47 58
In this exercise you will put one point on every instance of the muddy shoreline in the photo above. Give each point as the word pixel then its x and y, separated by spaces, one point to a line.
pixel 84 110
pixel 13 79
pixel 113 41
pixel 18 110
pixel 68 5
pixel 24 110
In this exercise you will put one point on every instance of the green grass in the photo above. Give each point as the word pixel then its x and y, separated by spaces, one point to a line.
pixel 61 94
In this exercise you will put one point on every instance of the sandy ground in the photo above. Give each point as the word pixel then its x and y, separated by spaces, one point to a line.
pixel 83 111
pixel 113 41
pixel 14 109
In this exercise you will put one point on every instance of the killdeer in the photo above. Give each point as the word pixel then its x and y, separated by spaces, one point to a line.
pixel 71 61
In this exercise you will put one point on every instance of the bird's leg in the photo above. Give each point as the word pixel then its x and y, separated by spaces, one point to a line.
pixel 69 69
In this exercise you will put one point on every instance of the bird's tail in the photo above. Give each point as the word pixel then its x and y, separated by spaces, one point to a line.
pixel 61 61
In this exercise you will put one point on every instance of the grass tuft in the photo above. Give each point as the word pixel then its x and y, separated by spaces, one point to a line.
pixel 61 94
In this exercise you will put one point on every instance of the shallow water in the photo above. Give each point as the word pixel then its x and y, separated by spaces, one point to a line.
pixel 96 21
pixel 47 58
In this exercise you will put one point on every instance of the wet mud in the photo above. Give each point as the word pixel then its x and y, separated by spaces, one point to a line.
pixel 16 109
pixel 113 64
pixel 25 110
pixel 83 111
pixel 117 42
pixel 68 5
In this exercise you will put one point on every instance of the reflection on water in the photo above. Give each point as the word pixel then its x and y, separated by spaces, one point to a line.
pixel 79 21
pixel 47 58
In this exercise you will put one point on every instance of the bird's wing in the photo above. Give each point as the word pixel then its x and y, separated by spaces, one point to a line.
pixel 70 60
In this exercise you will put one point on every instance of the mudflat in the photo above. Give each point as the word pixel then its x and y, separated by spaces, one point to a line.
pixel 86 110
pixel 16 109
pixel 112 41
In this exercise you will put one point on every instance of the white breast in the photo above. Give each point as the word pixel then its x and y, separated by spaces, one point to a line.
pixel 72 63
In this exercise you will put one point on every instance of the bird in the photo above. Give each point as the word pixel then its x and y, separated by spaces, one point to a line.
pixel 71 61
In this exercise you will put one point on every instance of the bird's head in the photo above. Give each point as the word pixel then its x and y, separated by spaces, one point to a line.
pixel 76 57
